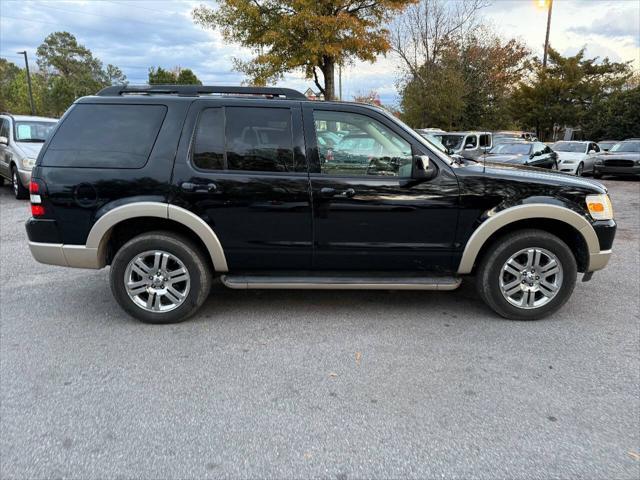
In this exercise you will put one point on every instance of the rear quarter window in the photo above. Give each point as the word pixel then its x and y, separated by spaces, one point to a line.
pixel 105 136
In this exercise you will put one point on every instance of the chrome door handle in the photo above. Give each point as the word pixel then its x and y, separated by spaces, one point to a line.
pixel 199 187
pixel 348 193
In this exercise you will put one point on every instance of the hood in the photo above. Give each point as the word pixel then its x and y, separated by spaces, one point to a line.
pixel 570 155
pixel 30 150
pixel 511 158
pixel 540 175
pixel 620 156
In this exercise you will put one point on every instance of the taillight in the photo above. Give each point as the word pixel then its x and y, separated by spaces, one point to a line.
pixel 35 191
pixel 37 210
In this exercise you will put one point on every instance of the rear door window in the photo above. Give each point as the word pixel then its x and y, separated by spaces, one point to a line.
pixel 257 139
pixel 105 136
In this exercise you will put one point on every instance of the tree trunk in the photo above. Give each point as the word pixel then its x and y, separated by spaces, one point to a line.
pixel 328 67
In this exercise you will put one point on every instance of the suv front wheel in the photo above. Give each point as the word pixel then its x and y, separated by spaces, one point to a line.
pixel 160 277
pixel 527 275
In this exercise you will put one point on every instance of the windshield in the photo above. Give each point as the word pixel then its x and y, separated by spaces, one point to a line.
pixel 454 142
pixel 33 131
pixel 435 141
pixel 606 145
pixel 633 147
pixel 415 134
pixel 574 147
pixel 512 148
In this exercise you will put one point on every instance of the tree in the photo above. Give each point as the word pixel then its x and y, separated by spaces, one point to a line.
pixel 456 73
pixel 8 73
pixel 468 84
pixel 567 92
pixel 311 35
pixel 114 75
pixel 160 76
pixel 370 98
pixel 614 117
pixel 177 76
pixel 187 77
pixel 70 70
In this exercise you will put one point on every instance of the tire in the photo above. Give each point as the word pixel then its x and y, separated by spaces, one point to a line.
pixel 580 170
pixel 18 190
pixel 178 299
pixel 491 275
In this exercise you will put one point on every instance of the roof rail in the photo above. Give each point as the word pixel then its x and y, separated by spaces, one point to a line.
pixel 197 90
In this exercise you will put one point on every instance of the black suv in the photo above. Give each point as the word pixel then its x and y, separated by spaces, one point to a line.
pixel 171 186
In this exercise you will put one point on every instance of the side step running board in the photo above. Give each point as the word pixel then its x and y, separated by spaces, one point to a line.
pixel 340 282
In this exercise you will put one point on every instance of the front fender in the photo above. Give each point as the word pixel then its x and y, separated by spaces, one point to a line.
pixel 494 220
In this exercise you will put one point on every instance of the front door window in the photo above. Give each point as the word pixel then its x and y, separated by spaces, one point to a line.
pixel 352 144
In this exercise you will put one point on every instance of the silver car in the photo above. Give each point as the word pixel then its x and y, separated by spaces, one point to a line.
pixel 21 138
pixel 576 157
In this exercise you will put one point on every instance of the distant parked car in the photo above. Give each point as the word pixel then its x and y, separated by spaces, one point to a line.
pixel 533 154
pixel 21 138
pixel 431 135
pixel 605 145
pixel 622 159
pixel 509 135
pixel 467 144
pixel 577 158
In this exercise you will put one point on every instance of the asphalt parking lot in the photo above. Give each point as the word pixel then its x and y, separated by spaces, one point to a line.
pixel 299 384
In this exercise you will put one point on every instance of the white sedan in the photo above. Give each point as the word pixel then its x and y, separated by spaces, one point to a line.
pixel 577 158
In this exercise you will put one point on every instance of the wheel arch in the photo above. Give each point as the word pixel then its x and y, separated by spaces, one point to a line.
pixel 571 227
pixel 101 237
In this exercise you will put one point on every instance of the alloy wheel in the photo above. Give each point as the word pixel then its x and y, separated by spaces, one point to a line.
pixel 531 278
pixel 157 281
pixel 14 182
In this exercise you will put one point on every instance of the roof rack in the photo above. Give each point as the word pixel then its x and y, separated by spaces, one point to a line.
pixel 197 90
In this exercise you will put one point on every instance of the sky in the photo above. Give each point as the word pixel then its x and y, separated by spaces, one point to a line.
pixel 137 34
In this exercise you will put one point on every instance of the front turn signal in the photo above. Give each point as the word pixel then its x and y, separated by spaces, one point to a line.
pixel 600 207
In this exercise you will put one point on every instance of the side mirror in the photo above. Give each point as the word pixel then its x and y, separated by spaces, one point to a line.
pixel 591 152
pixel 469 146
pixel 4 141
pixel 421 167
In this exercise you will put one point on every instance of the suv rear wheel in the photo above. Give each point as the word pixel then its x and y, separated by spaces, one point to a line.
pixel 527 275
pixel 160 277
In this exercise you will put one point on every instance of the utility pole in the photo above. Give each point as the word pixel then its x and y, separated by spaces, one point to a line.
pixel 546 41
pixel 340 80
pixel 26 63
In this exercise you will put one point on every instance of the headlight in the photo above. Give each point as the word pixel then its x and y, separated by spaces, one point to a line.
pixel 600 207
pixel 28 163
pixel 637 162
pixel 599 161
pixel 568 161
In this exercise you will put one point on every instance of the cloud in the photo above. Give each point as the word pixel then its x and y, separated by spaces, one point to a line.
pixel 617 25
pixel 136 35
